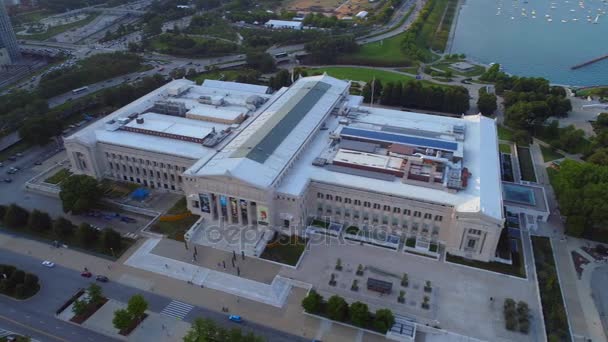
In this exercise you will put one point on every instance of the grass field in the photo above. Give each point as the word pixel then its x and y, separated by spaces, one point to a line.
pixel 58 177
pixel 550 154
pixel 597 91
pixel 386 51
pixel 362 74
pixel 525 164
pixel 55 30
pixel 505 133
pixel 34 16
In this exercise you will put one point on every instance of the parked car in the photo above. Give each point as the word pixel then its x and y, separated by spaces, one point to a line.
pixel 102 278
pixel 86 274
pixel 235 318
pixel 48 264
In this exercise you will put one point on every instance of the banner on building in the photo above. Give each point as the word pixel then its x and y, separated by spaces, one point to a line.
pixel 205 203
pixel 262 215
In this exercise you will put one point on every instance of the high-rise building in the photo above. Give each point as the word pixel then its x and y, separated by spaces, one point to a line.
pixel 9 51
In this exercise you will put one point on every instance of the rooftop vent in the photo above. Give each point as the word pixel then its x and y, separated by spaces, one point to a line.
pixel 139 120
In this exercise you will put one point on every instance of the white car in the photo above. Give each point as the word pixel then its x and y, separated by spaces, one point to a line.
pixel 48 264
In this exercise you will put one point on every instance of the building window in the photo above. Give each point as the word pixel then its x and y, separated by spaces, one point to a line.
pixel 179 179
pixel 319 195
pixel 137 170
pixel 124 167
pixel 162 165
pixel 471 243
pixel 131 178
pixel 166 186
pixel 113 155
pixel 387 208
pixel 172 187
pixel 427 216
pixel 338 199
pixel 154 163
pixel 407 212
pixel 144 171
pixel 367 204
pixel 141 161
pixel 475 231
pixel 165 174
pixel 329 197
pixel 417 214
pixel 172 178
pixel 438 218
pixel 376 206
pixel 124 177
pixel 396 210
pixel 357 202
pixel 138 180
pixel 111 167
pixel 131 168
pixel 147 162
pixel 347 200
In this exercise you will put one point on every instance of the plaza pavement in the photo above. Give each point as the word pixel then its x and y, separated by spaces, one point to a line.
pixel 461 302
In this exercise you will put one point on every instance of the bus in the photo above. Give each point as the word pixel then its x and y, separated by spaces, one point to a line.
pixel 80 90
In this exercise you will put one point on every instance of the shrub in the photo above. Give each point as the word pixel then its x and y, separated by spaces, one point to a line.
pixel 337 308
pixel 383 320
pixel 359 314
pixel 15 216
pixel 313 302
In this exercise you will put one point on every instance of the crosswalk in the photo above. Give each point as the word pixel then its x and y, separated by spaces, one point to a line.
pixel 177 309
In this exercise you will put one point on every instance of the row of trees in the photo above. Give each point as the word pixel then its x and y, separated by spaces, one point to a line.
pixel 204 330
pixel 40 125
pixel 17 283
pixel 326 50
pixel 412 45
pixel 486 103
pixel 93 69
pixel 358 314
pixel 414 94
pixel 61 229
pixel 598 151
pixel 582 192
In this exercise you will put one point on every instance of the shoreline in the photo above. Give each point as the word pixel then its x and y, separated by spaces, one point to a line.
pixel 450 43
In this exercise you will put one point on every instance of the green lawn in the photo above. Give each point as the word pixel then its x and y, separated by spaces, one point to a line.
pixel 597 91
pixel 285 249
pixel 33 16
pixel 504 148
pixel 525 164
pixel 175 229
pixel 58 177
pixel 55 30
pixel 387 51
pixel 224 75
pixel 362 74
pixel 505 133
pixel 550 154
pixel 180 207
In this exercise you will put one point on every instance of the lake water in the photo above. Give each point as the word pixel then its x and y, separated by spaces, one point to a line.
pixel 505 32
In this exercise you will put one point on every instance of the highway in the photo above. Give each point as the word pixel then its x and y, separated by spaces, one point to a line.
pixel 36 316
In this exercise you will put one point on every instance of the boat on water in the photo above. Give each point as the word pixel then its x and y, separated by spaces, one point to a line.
pixel 549 20
pixel 596 19
pixel 564 21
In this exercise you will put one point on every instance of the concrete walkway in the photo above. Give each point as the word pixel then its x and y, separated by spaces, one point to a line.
pixel 274 294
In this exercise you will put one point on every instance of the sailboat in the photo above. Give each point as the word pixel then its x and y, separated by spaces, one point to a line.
pixel 596 19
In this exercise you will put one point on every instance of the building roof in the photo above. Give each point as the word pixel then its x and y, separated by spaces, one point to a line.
pixel 482 194
pixel 250 88
pixel 170 124
pixel 223 113
pixel 264 148
pixel 284 23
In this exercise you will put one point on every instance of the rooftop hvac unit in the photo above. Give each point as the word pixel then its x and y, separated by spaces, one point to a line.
pixel 112 125
pixel 177 91
pixel 211 100
pixel 123 121
pixel 170 108
pixel 139 120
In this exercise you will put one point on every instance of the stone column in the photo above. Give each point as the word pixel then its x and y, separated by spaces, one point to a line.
pixel 249 214
pixel 229 209
pixel 218 207
pixel 239 212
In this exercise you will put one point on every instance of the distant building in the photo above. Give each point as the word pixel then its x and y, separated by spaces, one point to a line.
pixel 462 66
pixel 9 51
pixel 362 14
pixel 284 24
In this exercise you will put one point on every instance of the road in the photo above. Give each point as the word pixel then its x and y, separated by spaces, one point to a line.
pixel 37 314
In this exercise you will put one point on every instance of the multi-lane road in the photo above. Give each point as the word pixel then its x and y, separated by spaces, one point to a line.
pixel 36 316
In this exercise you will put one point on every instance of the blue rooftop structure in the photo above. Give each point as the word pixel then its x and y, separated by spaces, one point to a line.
pixel 140 194
pixel 398 138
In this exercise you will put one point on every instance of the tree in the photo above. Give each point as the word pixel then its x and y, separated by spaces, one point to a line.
pixel 313 302
pixel 383 320
pixel 359 314
pixel 260 60
pixel 575 226
pixel 154 26
pixel 122 319
pixel 63 227
pixel 79 193
pixel 39 221
pixel 87 234
pixel 40 130
pixel 111 240
pixel 204 330
pixel 521 137
pixel 337 308
pixel 15 216
pixel 95 294
pixel 486 103
pixel 137 306
pixel 30 281
pixel 79 307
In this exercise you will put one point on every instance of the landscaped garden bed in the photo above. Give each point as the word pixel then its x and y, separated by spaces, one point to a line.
pixel 285 249
pixel 525 164
pixel 554 311
pixel 87 304
pixel 175 229
pixel 516 269
pixel 58 177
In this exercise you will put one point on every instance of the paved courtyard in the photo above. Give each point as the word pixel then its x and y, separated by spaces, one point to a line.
pixel 461 295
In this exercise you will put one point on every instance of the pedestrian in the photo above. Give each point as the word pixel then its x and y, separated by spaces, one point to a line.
pixel 491 299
